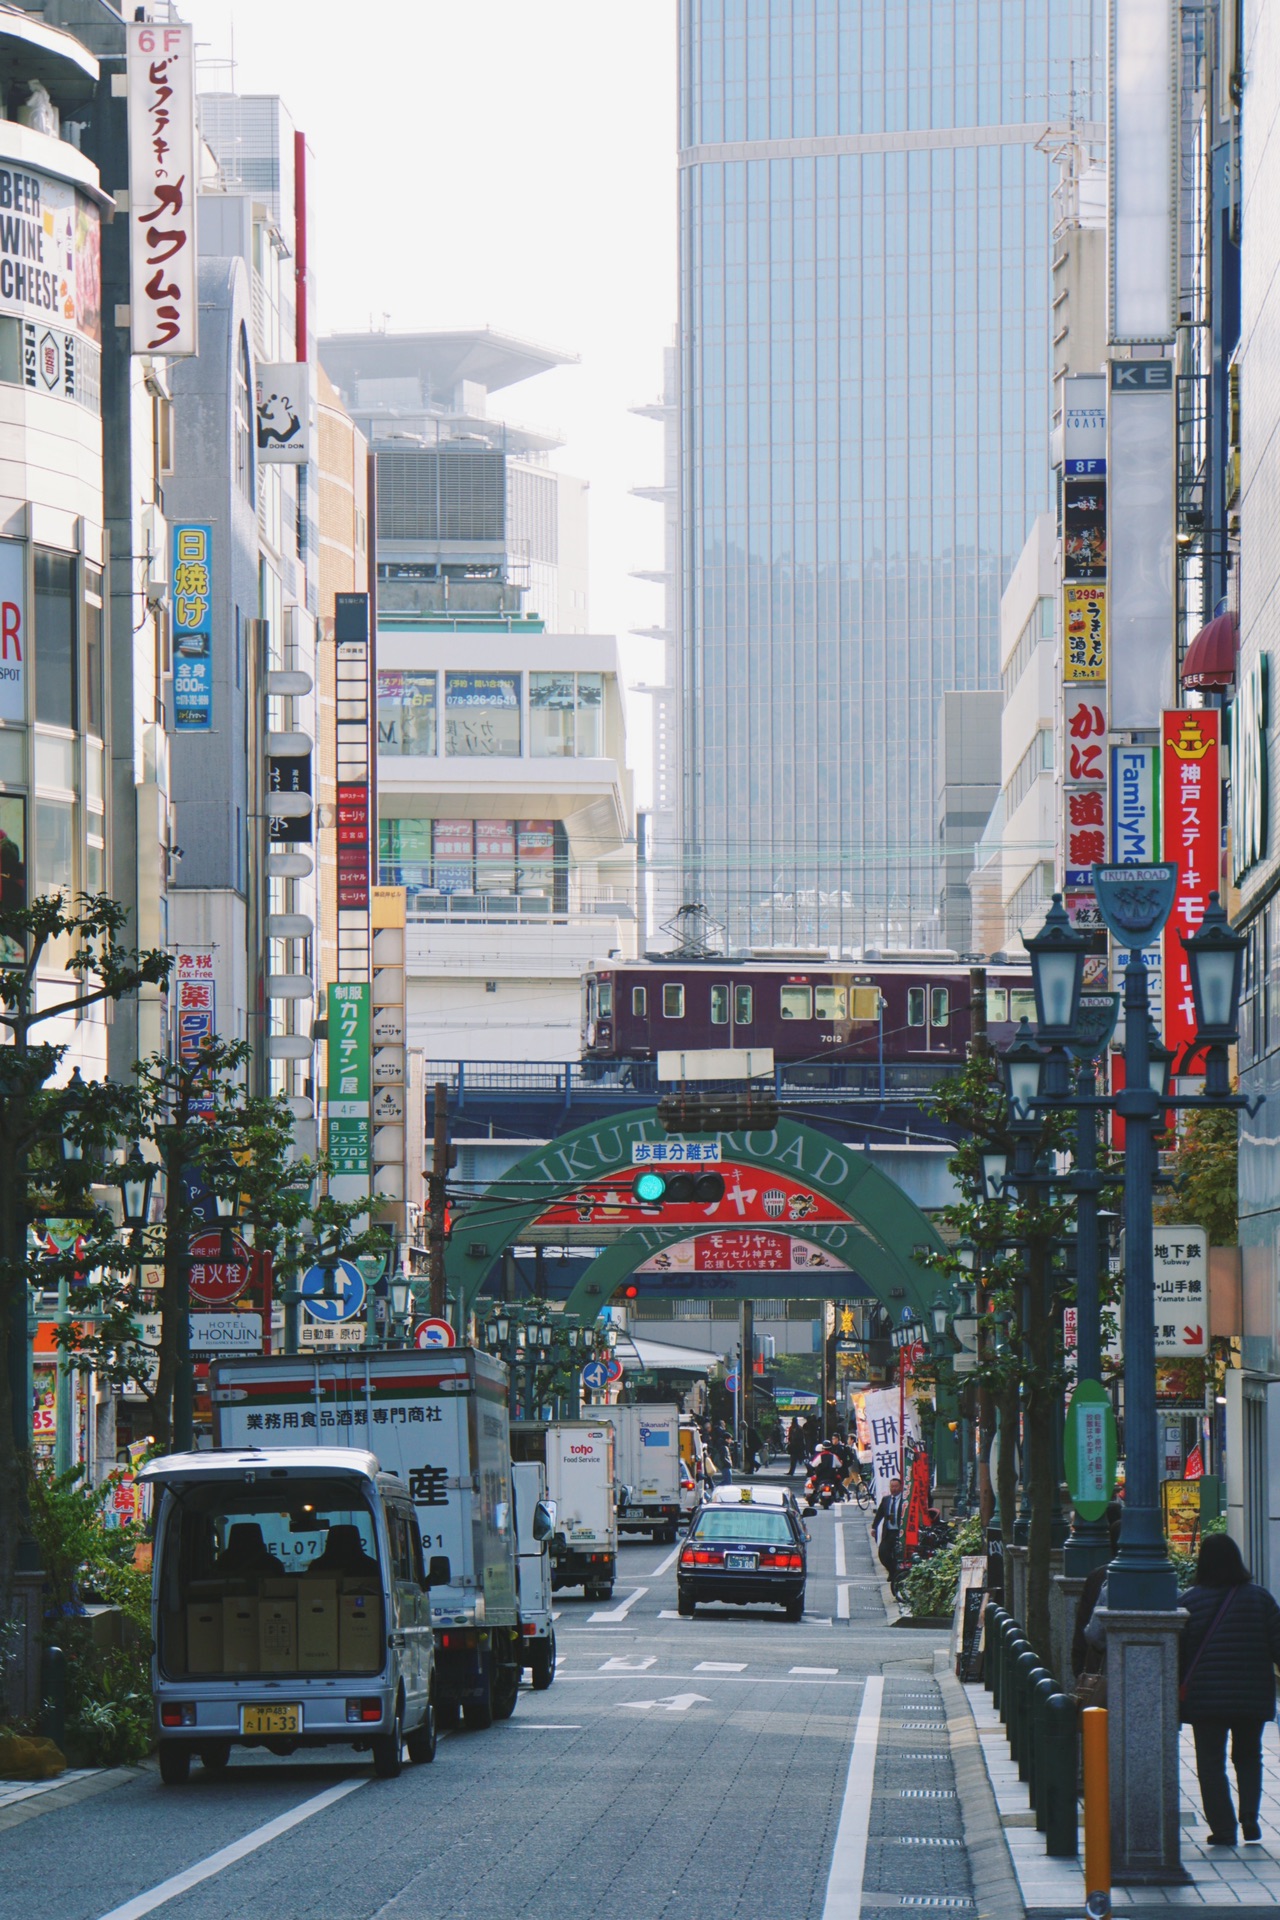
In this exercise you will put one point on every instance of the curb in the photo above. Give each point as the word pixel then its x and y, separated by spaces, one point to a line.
pixel 995 1884
pixel 68 1794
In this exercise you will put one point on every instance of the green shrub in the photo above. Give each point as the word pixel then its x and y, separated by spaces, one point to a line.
pixel 930 1585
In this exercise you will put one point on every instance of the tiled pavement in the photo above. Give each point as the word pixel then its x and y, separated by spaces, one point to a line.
pixel 1246 1877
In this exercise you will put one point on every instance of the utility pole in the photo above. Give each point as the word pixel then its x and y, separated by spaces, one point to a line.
pixel 442 1158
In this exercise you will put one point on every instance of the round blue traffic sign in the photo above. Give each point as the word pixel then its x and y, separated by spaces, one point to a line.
pixel 595 1375
pixel 344 1281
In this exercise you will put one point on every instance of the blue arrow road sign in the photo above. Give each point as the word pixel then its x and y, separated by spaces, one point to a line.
pixel 595 1375
pixel 345 1280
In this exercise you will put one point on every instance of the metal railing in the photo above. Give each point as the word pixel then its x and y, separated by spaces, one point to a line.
pixel 797 1084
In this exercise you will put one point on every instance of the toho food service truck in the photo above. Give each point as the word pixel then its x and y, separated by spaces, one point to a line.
pixel 438 1420
pixel 578 1458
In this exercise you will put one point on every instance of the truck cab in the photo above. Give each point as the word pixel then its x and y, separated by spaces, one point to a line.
pixel 291 1607
pixel 535 1523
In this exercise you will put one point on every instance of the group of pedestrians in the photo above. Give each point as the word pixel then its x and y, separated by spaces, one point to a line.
pixel 1227 1654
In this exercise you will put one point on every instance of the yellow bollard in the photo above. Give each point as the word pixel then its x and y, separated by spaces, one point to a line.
pixel 1097 1813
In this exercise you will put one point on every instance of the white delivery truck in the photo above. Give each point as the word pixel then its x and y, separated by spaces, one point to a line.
pixel 533 1570
pixel 647 1464
pixel 578 1456
pixel 438 1420
pixel 291 1607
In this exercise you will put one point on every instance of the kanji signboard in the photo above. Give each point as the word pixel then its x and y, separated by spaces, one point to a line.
pixel 192 627
pixel 349 1076
pixel 1180 1258
pixel 1192 825
pixel 164 178
pixel 1085 632
pixel 751 1194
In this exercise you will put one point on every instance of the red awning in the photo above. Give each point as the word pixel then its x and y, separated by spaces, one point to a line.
pixel 1211 657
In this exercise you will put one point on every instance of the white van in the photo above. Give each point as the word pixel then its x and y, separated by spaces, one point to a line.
pixel 291 1608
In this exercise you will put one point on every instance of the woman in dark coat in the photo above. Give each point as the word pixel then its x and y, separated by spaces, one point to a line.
pixel 1228 1655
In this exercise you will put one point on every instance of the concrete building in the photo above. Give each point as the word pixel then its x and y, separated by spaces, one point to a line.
pixel 463 499
pixel 1028 684
pixel 661 875
pixel 968 787
pixel 506 812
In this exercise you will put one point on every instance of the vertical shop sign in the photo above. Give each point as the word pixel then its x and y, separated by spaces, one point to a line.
pixel 1135 785
pixel 1191 805
pixel 13 631
pixel 193 628
pixel 197 1011
pixel 164 176
pixel 349 1076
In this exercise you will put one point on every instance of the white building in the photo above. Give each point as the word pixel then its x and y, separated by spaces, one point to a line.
pixel 506 812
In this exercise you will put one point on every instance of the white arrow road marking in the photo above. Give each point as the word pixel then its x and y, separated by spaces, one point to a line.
pixel 618 1613
pixel 205 1869
pixel 721 1666
pixel 620 1664
pixel 849 1859
pixel 841 1568
pixel 667 1613
pixel 673 1703
pixel 842 1602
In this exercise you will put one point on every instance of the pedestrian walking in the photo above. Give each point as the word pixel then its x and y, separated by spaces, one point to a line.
pixel 795 1446
pixel 720 1452
pixel 1227 1661
pixel 887 1523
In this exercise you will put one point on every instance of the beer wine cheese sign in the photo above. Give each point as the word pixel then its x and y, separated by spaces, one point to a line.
pixel 1089 1450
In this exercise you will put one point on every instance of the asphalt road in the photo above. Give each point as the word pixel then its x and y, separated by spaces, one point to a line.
pixel 731 1767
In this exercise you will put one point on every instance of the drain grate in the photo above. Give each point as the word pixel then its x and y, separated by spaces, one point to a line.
pixel 925 1840
pixel 922 1726
pixel 914 1753
pixel 926 1793
pixel 956 1900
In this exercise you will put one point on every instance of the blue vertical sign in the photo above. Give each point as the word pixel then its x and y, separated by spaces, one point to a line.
pixel 192 628
pixel 1135 813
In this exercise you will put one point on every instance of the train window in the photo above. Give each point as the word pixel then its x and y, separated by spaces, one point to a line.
pixel 606 999
pixel 915 1006
pixel 672 1000
pixel 639 1002
pixel 743 999
pixel 865 1003
pixel 796 1003
pixel 1022 1004
pixel 997 1003
pixel 939 1006
pixel 719 1006
pixel 830 1003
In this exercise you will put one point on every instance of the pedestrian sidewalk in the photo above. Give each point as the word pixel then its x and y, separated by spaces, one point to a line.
pixel 21 1799
pixel 1221 1881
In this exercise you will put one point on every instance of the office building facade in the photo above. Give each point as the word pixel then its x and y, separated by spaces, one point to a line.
pixel 865 395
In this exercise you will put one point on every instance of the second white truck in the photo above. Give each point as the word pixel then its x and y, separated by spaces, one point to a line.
pixel 647 1466
pixel 578 1456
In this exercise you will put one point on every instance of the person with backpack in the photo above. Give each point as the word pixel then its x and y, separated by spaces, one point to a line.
pixel 1227 1659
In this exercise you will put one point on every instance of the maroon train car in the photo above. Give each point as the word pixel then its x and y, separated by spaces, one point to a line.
pixel 914 1011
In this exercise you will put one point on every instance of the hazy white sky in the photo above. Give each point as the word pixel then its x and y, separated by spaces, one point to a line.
pixel 508 163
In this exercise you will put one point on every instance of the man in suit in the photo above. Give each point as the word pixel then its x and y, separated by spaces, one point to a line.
pixel 887 1523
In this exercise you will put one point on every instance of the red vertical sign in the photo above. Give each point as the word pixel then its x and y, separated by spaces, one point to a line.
pixel 1191 807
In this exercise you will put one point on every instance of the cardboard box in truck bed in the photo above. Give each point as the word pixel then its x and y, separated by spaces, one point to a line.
pixel 437 1420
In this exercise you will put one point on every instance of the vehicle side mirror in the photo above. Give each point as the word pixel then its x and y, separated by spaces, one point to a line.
pixel 544 1520
pixel 438 1571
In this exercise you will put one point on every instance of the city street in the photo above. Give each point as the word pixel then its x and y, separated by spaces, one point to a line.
pixel 731 1765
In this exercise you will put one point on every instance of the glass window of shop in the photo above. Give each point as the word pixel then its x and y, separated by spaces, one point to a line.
pixel 492 857
pixel 482 715
pixel 407 713
pixel 55 638
pixel 55 845
pixel 566 715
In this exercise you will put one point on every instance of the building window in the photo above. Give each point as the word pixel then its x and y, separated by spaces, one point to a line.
pixel 796 1003
pixel 55 639
pixel 743 1002
pixel 407 713
pixel 93 687
pixel 639 1003
pixel 672 1001
pixel 831 1003
pixel 55 846
pixel 482 715
pixel 1037 759
pixel 244 421
pixel 719 1006
pixel 566 715
pixel 915 1006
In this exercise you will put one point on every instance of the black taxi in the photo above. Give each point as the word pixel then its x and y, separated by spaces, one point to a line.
pixel 743 1552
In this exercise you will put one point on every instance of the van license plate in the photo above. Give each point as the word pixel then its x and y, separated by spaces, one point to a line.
pixel 633 1513
pixel 271 1719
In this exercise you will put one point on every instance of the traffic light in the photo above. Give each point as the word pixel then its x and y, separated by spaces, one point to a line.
pixel 754 1110
pixel 656 1189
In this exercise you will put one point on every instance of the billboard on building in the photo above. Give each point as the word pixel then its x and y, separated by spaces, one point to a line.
pixel 164 178
pixel 1142 516
pixel 282 406
pixel 1135 823
pixel 1191 805
pixel 192 627
pixel 13 631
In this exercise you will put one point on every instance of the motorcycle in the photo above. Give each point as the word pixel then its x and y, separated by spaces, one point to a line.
pixel 821 1489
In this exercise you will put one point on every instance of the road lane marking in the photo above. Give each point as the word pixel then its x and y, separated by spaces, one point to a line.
pixel 813 1670
pixel 668 1613
pixel 849 1857
pixel 721 1666
pixel 215 1863
pixel 841 1568
pixel 671 1703
pixel 842 1601
pixel 619 1613
pixel 619 1663
pixel 659 1570
pixel 548 1726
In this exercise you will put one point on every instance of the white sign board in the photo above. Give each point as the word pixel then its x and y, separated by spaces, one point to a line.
pixel 685 1153
pixel 881 1414
pixel 716 1063
pixel 282 398
pixel 210 1332
pixel 164 177
pixel 1181 1265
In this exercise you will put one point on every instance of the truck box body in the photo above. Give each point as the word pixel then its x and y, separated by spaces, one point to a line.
pixel 533 1566
pixel 439 1421
pixel 578 1456
pixel 647 1465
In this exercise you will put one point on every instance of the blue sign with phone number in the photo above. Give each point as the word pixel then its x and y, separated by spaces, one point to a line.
pixel 192 628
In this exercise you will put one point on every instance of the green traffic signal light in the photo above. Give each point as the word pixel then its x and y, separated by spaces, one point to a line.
pixel 649 1186
pixel 662 1189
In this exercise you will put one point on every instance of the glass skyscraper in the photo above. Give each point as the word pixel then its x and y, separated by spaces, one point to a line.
pixel 865 375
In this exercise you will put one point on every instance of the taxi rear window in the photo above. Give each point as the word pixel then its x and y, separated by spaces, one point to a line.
pixel 743 1523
